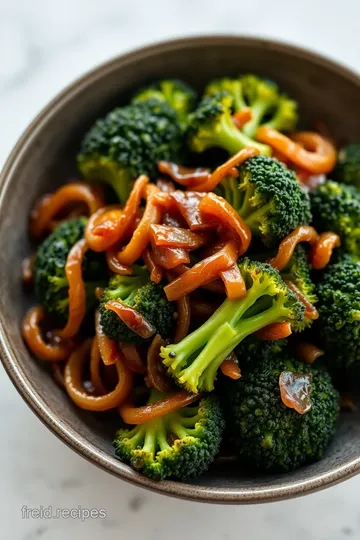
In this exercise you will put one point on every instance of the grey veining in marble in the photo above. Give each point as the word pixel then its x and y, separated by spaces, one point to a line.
pixel 44 45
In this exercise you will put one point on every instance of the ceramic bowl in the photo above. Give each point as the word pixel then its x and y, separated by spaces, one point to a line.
pixel 44 158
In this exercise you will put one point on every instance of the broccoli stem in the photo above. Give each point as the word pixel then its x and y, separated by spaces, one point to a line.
pixel 239 102
pixel 136 436
pixel 233 140
pixel 195 341
pixel 150 440
pixel 276 121
pixel 105 170
pixel 231 191
pixel 254 220
pixel 258 110
pixel 178 429
pixel 223 342
pixel 245 209
pixel 205 366
pixel 189 422
pixel 218 336
pixel 128 288
pixel 155 432
pixel 161 435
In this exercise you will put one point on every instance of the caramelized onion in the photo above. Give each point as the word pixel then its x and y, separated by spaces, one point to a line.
pixel 295 390
pixel 74 385
pixel 184 176
pixel 274 331
pixel 310 310
pixel 183 318
pixel 165 185
pixel 308 150
pixel 170 257
pixel 156 271
pixel 77 293
pixel 188 205
pixel 95 363
pixel 202 273
pixel 230 367
pixel 50 205
pixel 307 352
pixel 321 252
pixel 164 235
pixel 114 264
pixel 242 117
pixel 132 318
pixel 139 415
pixel 107 347
pixel 141 236
pixel 216 208
pixel 303 233
pixel 234 282
pixel 156 372
pixel 223 170
pixel 132 358
pixel 55 351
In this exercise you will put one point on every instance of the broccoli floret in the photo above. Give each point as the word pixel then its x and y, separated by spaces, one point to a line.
pixel 195 360
pixel 347 169
pixel 268 198
pixel 298 272
pixel 267 435
pixel 51 285
pixel 179 95
pixel 146 297
pixel 211 125
pixel 253 349
pixel 181 444
pixel 336 207
pixel 128 142
pixel 269 107
pixel 338 326
pixel 234 87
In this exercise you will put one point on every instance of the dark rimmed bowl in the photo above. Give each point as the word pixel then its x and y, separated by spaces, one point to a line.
pixel 44 157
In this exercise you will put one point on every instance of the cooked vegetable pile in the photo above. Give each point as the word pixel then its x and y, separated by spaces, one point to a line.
pixel 202 278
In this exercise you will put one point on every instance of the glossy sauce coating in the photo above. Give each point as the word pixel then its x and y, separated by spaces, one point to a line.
pixel 295 390
pixel 132 318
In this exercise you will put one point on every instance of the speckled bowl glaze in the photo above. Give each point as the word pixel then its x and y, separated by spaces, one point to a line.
pixel 45 156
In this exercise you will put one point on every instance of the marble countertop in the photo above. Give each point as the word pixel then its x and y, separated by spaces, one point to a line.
pixel 44 45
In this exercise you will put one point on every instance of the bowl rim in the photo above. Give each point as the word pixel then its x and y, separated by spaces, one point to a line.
pixel 53 420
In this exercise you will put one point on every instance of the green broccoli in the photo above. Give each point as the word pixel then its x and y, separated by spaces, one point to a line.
pixel 336 208
pixel 195 360
pixel 268 198
pixel 144 296
pixel 128 142
pixel 252 349
pixel 179 95
pixel 51 285
pixel 347 169
pixel 227 85
pixel 298 272
pixel 269 107
pixel 267 435
pixel 338 326
pixel 211 125
pixel 181 444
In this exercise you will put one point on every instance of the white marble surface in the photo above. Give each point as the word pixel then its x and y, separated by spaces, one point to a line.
pixel 44 44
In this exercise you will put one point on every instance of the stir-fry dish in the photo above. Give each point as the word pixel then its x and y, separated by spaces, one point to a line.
pixel 202 279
